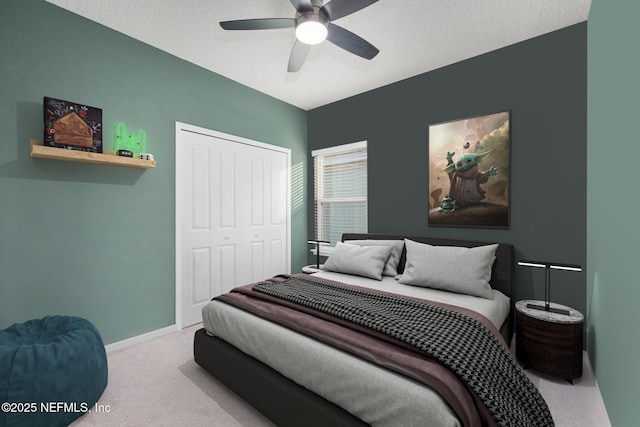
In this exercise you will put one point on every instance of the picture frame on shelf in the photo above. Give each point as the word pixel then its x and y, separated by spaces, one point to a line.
pixel 72 125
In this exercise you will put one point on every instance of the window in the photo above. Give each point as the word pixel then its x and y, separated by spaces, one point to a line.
pixel 340 183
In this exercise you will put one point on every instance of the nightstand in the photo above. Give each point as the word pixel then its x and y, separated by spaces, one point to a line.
pixel 548 342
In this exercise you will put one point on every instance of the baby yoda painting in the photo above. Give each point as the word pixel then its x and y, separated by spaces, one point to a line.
pixel 469 172
pixel 465 178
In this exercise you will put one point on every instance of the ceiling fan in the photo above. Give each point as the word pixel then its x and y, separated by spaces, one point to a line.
pixel 313 24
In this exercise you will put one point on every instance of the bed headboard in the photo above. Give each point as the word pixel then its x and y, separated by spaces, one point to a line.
pixel 501 275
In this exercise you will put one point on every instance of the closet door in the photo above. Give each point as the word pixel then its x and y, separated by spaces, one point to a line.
pixel 232 216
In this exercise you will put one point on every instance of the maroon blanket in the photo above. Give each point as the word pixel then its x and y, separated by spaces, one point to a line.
pixel 372 346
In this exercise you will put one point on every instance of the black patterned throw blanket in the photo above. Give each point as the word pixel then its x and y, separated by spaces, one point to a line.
pixel 462 344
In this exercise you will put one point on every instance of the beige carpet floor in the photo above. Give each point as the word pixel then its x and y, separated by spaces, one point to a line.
pixel 158 383
pixel 577 405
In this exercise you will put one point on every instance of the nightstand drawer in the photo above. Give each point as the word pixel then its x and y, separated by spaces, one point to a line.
pixel 548 348
pixel 564 338
pixel 555 366
pixel 536 324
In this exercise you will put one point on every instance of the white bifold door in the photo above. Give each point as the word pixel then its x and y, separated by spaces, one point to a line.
pixel 232 216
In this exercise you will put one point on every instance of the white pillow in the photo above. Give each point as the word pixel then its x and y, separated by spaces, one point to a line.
pixel 450 268
pixel 391 267
pixel 367 261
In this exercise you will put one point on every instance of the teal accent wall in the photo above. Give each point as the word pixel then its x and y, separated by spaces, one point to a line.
pixel 613 209
pixel 98 241
pixel 543 81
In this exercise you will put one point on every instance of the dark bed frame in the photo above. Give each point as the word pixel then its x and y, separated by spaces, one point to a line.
pixel 285 402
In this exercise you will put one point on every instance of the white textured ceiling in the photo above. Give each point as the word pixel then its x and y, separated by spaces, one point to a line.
pixel 414 36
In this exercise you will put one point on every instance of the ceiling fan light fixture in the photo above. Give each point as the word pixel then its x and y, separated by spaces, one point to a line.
pixel 311 29
pixel 311 32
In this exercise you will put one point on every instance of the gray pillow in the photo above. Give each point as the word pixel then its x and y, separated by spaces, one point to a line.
pixel 391 267
pixel 367 261
pixel 450 268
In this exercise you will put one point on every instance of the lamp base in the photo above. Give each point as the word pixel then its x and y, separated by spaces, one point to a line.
pixel 549 309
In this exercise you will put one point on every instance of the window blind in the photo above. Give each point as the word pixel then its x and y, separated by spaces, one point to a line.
pixel 340 191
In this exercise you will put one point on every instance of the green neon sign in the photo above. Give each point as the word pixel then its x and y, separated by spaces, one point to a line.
pixel 136 143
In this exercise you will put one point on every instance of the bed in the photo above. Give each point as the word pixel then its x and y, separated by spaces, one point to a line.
pixel 296 378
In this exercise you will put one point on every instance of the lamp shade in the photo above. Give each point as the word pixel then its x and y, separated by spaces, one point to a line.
pixel 551 265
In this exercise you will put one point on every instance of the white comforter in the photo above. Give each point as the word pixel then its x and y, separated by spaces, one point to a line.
pixel 375 395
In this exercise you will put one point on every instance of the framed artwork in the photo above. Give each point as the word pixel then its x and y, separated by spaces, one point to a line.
pixel 72 125
pixel 469 171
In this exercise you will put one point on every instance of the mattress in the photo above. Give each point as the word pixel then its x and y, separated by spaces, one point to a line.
pixel 376 395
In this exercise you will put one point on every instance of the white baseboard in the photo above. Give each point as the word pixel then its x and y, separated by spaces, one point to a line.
pixel 140 338
pixel 603 408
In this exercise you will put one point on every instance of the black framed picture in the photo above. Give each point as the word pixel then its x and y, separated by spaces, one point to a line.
pixel 72 125
pixel 469 171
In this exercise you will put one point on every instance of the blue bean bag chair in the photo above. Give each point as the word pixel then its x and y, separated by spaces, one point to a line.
pixel 52 371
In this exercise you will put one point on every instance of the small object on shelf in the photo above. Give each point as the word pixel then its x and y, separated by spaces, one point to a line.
pixel 310 269
pixel 134 142
pixel 124 153
pixel 71 125
pixel 549 342
pixel 146 156
pixel 548 266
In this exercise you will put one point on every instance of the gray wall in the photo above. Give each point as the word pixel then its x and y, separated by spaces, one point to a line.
pixel 543 82
pixel 98 241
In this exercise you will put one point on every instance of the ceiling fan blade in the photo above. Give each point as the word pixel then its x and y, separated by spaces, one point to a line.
pixel 302 5
pixel 259 24
pixel 337 9
pixel 298 55
pixel 351 42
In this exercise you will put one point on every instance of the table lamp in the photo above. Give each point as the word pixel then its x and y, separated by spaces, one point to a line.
pixel 317 244
pixel 548 266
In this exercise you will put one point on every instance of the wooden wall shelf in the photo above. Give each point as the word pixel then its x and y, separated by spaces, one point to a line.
pixel 40 151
